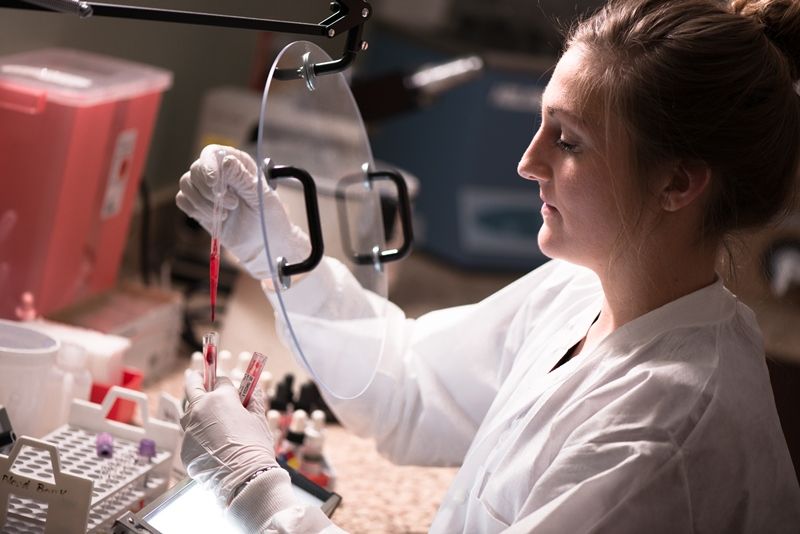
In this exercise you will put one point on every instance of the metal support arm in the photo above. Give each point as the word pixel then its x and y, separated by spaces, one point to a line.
pixel 348 16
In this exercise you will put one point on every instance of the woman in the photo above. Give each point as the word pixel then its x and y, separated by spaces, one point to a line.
pixel 620 387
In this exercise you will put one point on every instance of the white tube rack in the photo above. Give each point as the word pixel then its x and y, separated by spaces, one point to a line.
pixel 59 484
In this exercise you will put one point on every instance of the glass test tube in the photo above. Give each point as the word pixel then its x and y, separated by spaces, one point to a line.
pixel 250 379
pixel 210 342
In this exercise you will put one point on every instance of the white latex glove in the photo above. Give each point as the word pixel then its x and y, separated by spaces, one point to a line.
pixel 240 231
pixel 226 443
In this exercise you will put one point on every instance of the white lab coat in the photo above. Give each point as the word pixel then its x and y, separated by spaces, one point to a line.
pixel 668 425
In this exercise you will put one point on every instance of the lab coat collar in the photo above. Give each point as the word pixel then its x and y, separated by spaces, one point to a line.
pixel 710 304
pixel 707 305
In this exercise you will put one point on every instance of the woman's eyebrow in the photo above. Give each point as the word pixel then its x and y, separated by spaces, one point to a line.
pixel 552 110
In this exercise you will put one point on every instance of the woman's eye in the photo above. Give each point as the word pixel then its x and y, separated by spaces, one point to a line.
pixel 566 147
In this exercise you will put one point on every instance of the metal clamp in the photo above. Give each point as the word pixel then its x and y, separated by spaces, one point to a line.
pixel 307 72
pixel 286 269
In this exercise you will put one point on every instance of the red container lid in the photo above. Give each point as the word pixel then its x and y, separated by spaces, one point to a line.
pixel 78 78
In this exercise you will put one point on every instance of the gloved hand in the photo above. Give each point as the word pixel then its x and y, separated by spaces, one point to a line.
pixel 240 231
pixel 225 443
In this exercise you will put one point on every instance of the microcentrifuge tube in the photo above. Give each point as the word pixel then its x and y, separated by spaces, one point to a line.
pixel 146 453
pixel 104 445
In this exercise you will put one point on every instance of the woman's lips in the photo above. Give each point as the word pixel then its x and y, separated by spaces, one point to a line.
pixel 548 209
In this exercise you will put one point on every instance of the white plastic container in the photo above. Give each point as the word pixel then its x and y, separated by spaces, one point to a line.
pixel 71 380
pixel 105 351
pixel 73 360
pixel 26 360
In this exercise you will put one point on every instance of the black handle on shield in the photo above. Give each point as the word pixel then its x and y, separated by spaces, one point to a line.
pixel 404 209
pixel 312 213
pixel 376 256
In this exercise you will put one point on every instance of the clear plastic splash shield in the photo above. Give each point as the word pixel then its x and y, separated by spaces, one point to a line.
pixel 312 123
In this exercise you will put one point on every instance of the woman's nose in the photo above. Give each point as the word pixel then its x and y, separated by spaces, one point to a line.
pixel 532 165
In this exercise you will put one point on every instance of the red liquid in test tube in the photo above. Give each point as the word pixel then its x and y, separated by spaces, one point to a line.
pixel 250 379
pixel 210 341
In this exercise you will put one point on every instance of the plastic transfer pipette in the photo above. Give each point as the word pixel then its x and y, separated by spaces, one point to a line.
pixel 216 221
pixel 210 342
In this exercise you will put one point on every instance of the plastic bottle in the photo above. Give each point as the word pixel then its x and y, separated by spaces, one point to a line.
pixel 318 420
pixel 74 361
pixel 274 422
pixel 293 440
pixel 312 461
pixel 283 401
pixel 312 458
pixel 306 398
pixel 265 383
pixel 69 379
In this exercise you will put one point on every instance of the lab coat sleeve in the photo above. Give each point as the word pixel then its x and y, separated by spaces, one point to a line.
pixel 254 509
pixel 437 375
pixel 614 483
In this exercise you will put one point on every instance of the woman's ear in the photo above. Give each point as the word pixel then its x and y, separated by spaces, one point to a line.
pixel 685 184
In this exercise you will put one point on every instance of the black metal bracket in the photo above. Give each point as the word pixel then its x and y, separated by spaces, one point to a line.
pixel 348 16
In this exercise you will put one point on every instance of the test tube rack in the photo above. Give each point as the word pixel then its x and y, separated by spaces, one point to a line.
pixel 58 484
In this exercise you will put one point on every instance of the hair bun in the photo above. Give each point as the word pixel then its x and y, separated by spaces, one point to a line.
pixel 780 20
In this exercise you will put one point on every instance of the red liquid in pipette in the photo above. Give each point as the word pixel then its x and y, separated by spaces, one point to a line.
pixel 210 367
pixel 214 276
